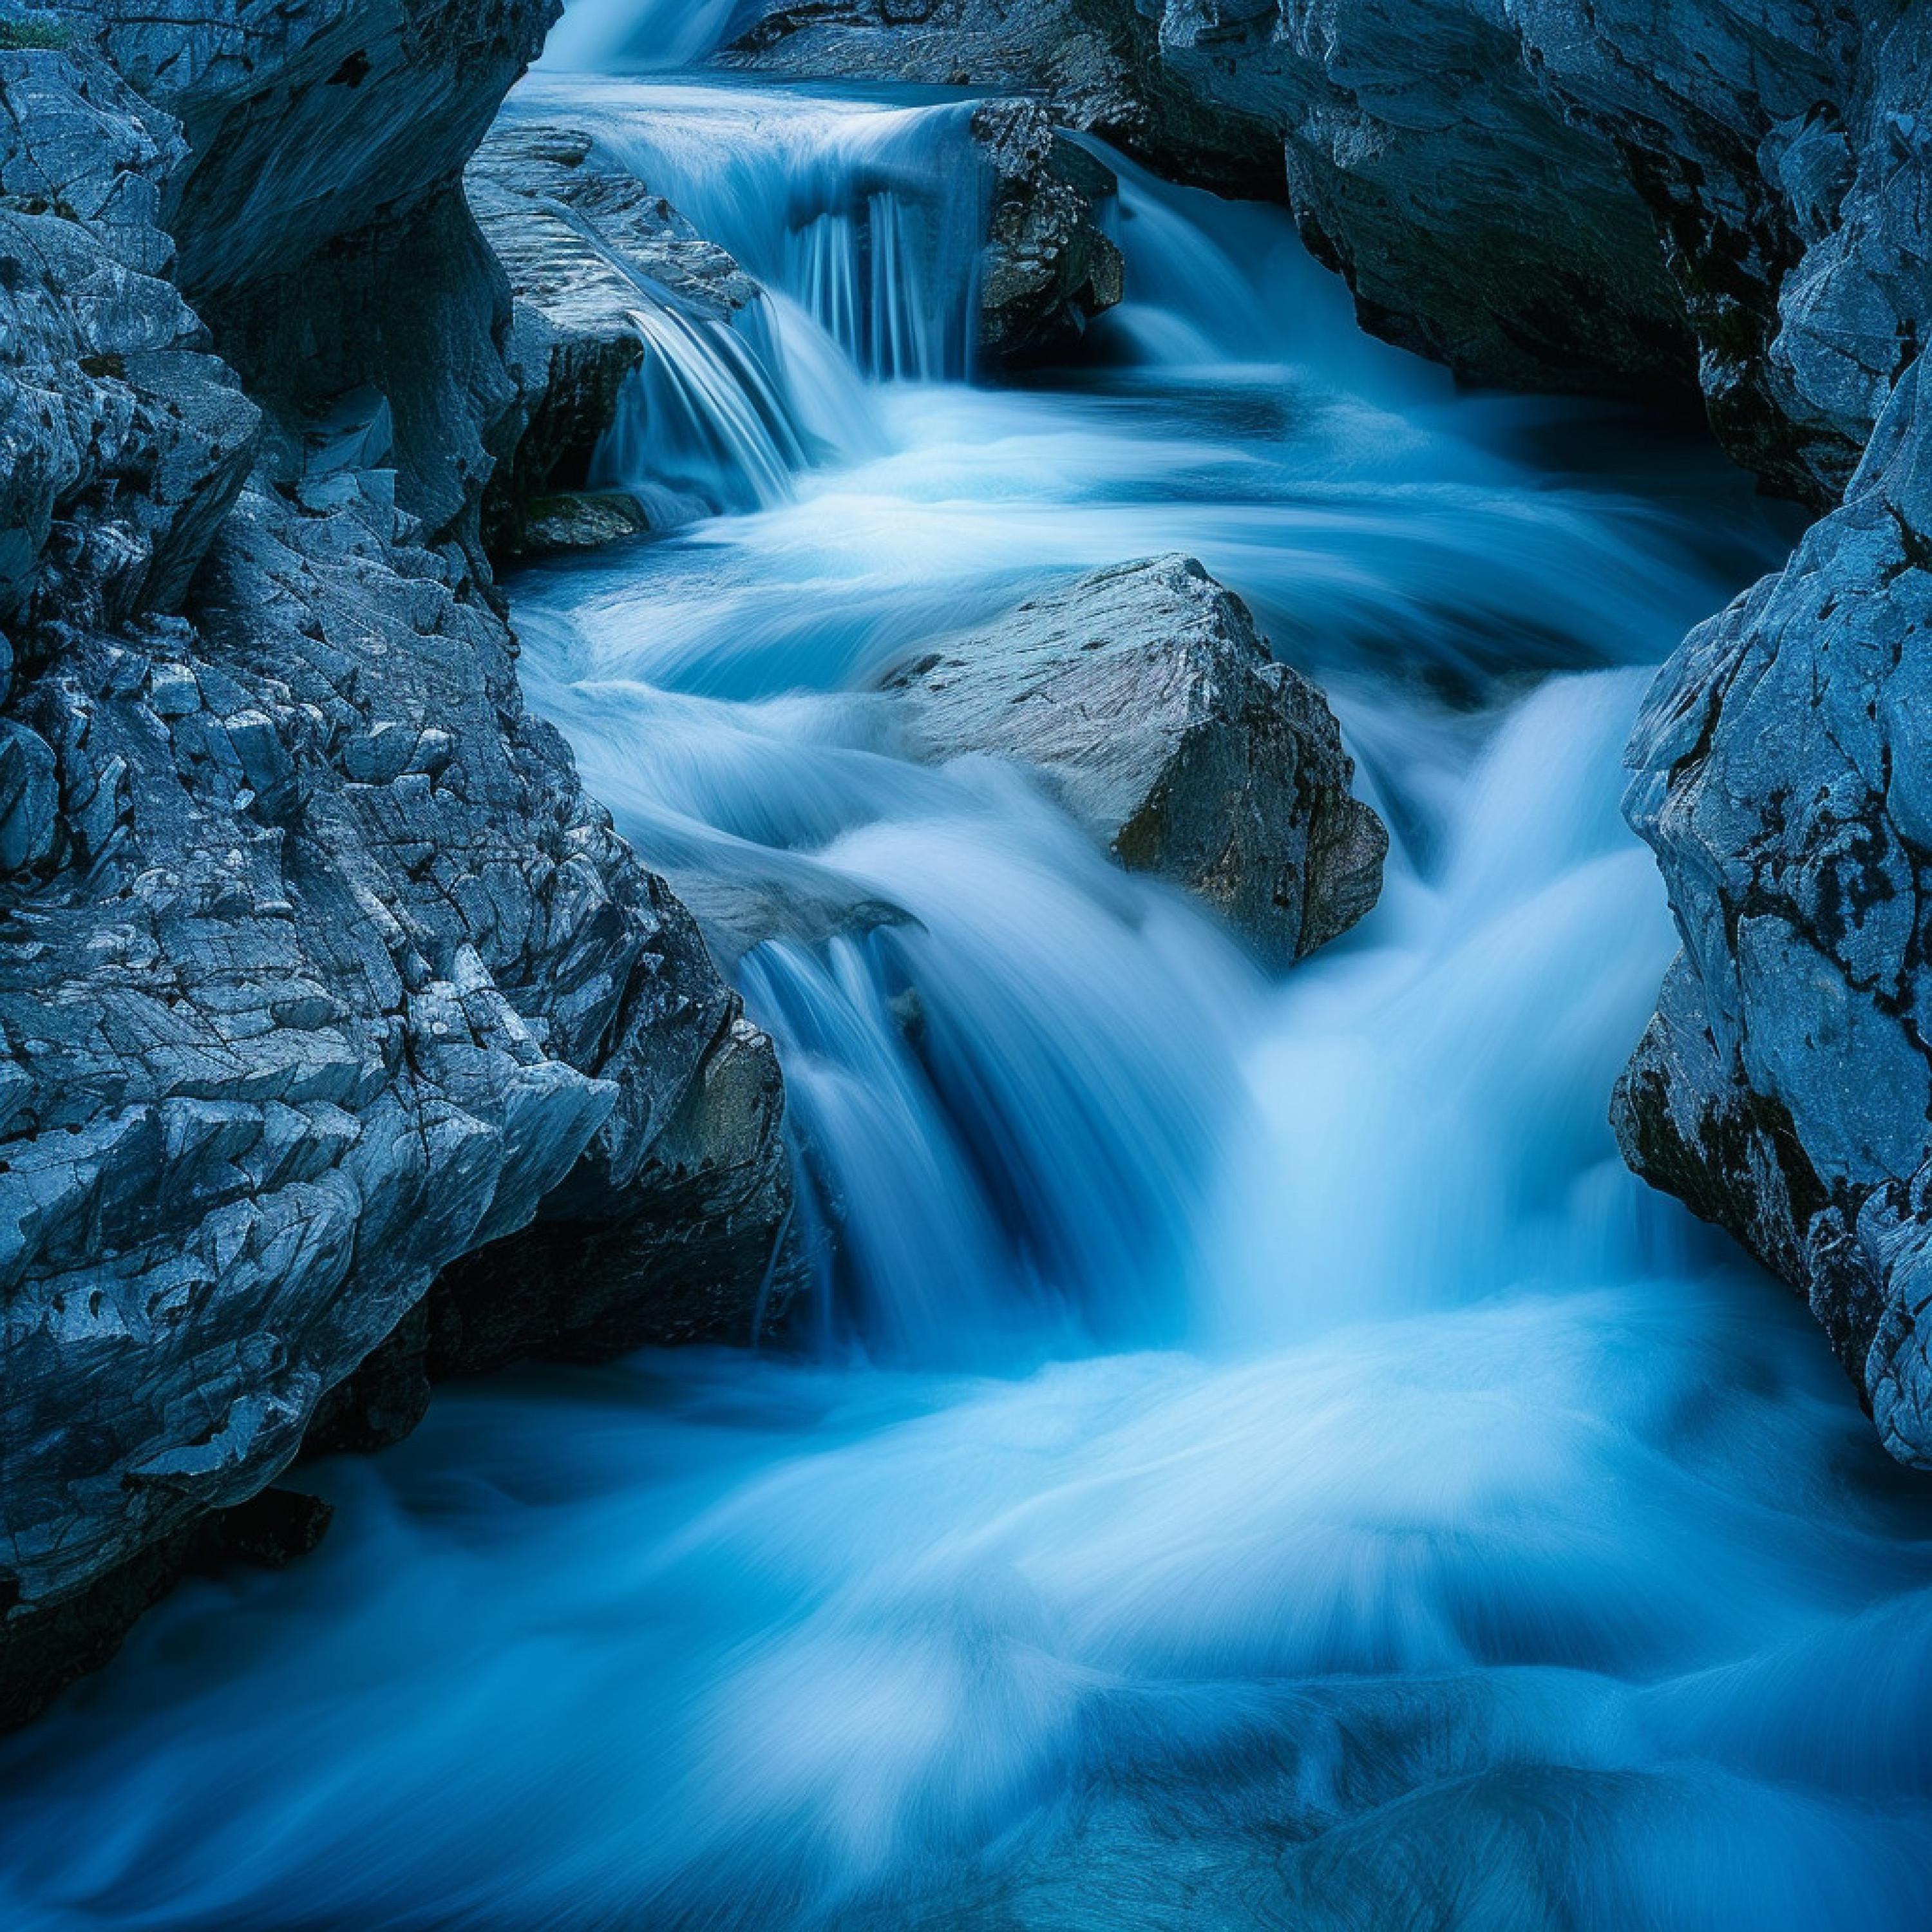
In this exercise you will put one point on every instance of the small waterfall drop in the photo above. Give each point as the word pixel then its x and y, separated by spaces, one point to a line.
pixel 701 426
pixel 869 215
pixel 648 35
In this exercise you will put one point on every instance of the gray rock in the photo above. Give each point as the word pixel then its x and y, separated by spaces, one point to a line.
pixel 1782 758
pixel 1048 267
pixel 1145 696
pixel 1474 222
pixel 321 973
pixel 1096 61
pixel 1489 175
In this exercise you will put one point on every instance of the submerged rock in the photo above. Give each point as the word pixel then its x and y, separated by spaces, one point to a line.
pixel 321 971
pixel 1146 696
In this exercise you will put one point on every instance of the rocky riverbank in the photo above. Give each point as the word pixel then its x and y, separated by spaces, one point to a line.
pixel 321 970
pixel 346 1045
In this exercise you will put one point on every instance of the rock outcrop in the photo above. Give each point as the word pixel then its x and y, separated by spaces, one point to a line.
pixel 584 244
pixel 1146 698
pixel 1048 267
pixel 1784 777
pixel 321 972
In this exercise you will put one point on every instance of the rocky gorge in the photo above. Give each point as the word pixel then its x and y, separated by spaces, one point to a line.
pixel 349 1047
pixel 626 725
pixel 1730 197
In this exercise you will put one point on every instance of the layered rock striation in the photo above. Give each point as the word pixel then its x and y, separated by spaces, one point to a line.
pixel 1146 697
pixel 320 972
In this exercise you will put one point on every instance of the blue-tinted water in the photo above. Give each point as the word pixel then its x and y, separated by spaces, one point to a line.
pixel 1258 1460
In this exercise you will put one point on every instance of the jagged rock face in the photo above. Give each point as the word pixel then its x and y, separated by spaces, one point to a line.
pixel 1096 61
pixel 1146 698
pixel 576 237
pixel 1784 777
pixel 1493 176
pixel 320 971
pixel 1048 268
pixel 1475 224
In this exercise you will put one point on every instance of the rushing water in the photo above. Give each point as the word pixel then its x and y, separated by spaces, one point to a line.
pixel 1260 1461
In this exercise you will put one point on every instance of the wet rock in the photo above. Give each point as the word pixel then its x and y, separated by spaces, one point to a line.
pixel 582 241
pixel 321 972
pixel 565 520
pixel 1781 758
pixel 1508 186
pixel 1146 698
pixel 1097 61
pixel 1048 267
pixel 1426 161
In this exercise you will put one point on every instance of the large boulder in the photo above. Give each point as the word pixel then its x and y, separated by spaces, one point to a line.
pixel 323 973
pixel 1145 696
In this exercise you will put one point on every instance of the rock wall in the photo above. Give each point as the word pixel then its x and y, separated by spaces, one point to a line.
pixel 321 972
pixel 1784 765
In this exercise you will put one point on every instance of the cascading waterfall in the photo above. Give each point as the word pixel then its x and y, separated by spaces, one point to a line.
pixel 700 426
pixel 1266 1462
pixel 644 35
pixel 867 214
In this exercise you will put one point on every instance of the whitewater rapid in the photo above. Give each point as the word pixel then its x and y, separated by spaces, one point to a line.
pixel 1255 1458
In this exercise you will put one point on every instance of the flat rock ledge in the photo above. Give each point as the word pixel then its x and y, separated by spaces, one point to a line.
pixel 1146 696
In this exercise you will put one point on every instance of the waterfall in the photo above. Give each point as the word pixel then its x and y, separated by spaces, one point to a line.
pixel 1259 1459
pixel 646 34
pixel 700 425
pixel 867 214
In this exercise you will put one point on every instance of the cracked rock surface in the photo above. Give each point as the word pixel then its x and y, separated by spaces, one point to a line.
pixel 1146 698
pixel 320 972
pixel 1784 778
